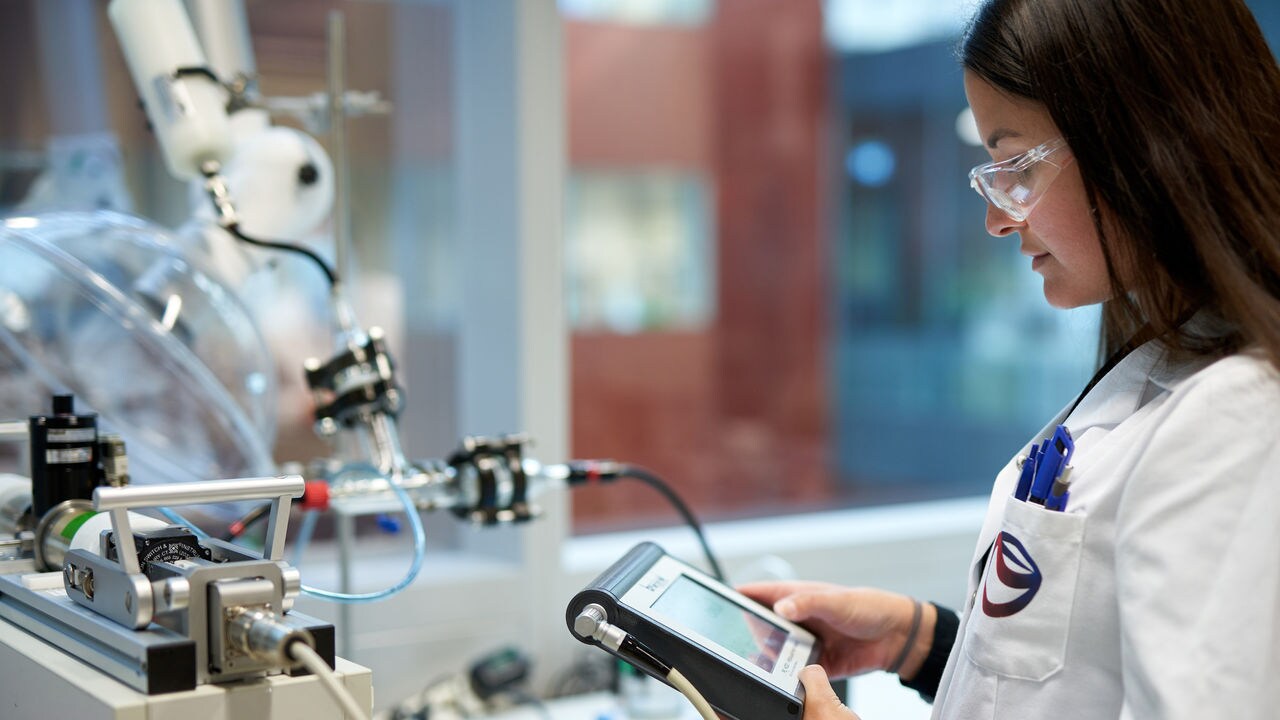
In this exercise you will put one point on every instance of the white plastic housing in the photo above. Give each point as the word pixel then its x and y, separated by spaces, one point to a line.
pixel 262 170
pixel 224 32
pixel 187 113
pixel 87 535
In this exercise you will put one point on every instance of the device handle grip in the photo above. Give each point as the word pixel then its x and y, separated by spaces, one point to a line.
pixel 118 500
pixel 137 496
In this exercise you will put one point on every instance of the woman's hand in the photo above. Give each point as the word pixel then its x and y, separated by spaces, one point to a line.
pixel 861 629
pixel 820 699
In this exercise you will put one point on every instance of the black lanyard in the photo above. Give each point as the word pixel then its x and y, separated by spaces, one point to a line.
pixel 1139 338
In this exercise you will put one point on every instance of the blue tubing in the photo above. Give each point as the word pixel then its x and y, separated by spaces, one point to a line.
pixel 419 550
pixel 305 531
pixel 174 517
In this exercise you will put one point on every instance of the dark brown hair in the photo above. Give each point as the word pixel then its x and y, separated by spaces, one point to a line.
pixel 1172 110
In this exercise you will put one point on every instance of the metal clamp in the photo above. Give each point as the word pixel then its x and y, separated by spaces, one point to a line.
pixel 496 466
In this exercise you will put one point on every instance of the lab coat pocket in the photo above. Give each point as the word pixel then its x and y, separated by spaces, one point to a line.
pixel 1022 613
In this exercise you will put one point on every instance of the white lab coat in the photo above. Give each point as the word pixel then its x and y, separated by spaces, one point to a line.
pixel 1159 591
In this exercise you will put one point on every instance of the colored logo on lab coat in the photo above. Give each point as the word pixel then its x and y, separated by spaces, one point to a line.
pixel 1016 572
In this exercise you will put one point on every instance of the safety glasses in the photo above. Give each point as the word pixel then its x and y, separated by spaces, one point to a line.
pixel 1014 186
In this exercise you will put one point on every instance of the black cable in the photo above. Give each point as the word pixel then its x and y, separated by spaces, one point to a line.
pixel 237 528
pixel 586 471
pixel 636 472
pixel 330 274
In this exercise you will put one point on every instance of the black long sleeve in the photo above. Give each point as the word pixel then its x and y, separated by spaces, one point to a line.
pixel 929 677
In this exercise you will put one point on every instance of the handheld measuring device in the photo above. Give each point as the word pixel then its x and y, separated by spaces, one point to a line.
pixel 658 613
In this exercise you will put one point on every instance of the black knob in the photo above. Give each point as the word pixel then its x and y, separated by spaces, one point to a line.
pixel 64 405
pixel 308 174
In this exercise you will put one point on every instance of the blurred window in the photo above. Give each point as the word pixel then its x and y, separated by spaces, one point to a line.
pixel 639 252
pixel 643 12
pixel 782 294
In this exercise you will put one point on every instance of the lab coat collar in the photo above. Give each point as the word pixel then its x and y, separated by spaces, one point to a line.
pixel 1140 377
pixel 1169 370
pixel 1120 392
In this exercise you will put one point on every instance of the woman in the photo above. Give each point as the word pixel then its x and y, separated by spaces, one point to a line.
pixel 1136 157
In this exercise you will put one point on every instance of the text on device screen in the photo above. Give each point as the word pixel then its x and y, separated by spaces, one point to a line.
pixel 713 616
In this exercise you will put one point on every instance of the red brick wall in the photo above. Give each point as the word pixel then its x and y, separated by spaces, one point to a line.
pixel 735 417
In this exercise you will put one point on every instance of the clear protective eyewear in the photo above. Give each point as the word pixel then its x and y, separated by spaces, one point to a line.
pixel 1014 186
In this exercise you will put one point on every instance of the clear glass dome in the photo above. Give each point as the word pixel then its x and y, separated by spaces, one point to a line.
pixel 106 306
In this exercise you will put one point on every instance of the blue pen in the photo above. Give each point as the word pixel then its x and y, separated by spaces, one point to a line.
pixel 1028 473
pixel 1037 459
pixel 1056 456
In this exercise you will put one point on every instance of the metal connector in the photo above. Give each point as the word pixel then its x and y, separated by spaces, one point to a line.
pixel 216 188
pixel 259 634
pixel 591 623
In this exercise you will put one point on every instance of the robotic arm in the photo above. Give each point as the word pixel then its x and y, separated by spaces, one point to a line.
pixel 183 98
pixel 356 393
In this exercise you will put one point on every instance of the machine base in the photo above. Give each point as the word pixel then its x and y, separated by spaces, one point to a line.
pixel 40 681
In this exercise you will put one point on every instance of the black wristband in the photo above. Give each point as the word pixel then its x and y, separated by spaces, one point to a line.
pixel 917 610
pixel 929 676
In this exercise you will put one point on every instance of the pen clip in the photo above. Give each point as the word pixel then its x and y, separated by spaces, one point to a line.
pixel 1027 472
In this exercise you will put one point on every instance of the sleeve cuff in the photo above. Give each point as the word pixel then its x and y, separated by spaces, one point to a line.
pixel 929 677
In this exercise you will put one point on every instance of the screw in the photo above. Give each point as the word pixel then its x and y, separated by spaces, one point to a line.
pixel 326 426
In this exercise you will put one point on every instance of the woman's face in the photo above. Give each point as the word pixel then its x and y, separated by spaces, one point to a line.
pixel 1058 235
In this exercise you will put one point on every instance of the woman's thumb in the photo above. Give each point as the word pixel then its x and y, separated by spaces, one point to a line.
pixel 820 699
pixel 789 608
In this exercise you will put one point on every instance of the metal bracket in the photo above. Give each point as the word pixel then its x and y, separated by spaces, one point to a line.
pixel 118 589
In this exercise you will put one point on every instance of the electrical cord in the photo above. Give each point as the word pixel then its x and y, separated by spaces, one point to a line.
pixel 686 688
pixel 329 273
pixel 591 625
pixel 652 480
pixel 218 192
pixel 312 661
pixel 584 471
pixel 237 528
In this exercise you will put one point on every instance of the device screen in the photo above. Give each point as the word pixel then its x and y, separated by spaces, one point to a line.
pixel 719 619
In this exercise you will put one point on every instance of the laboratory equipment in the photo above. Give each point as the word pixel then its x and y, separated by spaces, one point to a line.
pixel 356 393
pixel 661 615
pixel 111 308
pixel 493 683
pixel 220 612
pixel 152 604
